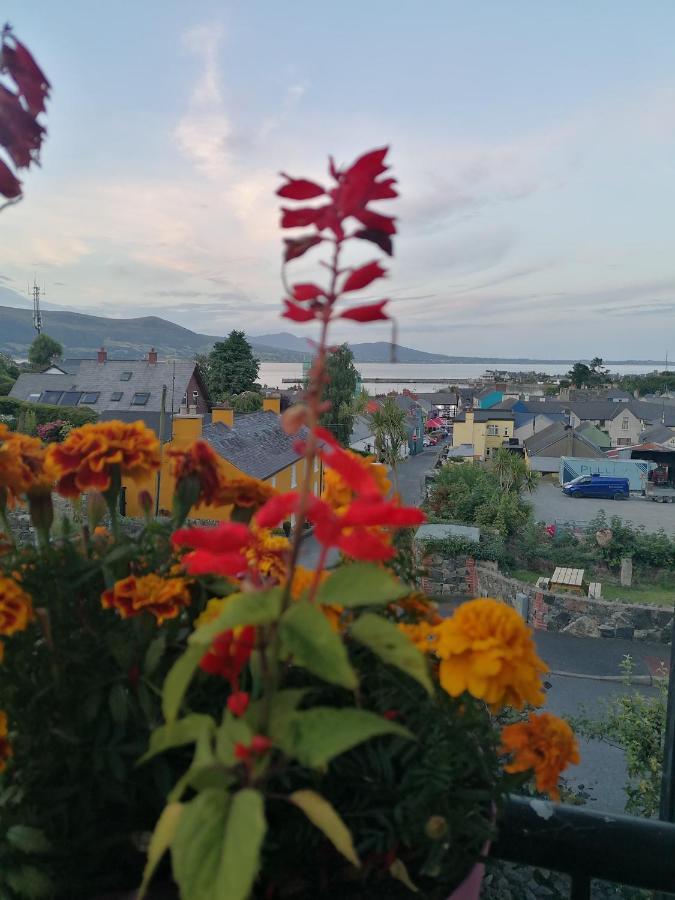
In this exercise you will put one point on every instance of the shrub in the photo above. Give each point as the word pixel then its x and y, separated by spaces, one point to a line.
pixel 45 412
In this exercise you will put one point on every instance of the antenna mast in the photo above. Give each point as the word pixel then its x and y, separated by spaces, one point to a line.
pixel 37 312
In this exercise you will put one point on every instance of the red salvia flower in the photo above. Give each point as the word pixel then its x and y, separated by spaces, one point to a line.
pixel 369 312
pixel 229 653
pixel 238 702
pixel 362 277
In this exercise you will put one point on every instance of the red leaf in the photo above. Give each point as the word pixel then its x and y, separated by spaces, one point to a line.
pixel 371 164
pixel 299 189
pixel 296 247
pixel 276 510
pixel 381 238
pixel 223 538
pixel 306 215
pixel 369 312
pixel 28 75
pixel 20 134
pixel 303 292
pixel 383 190
pixel 9 185
pixel 376 221
pixel 298 313
pixel 363 276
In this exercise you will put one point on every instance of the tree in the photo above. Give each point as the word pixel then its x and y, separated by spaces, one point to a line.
pixel 246 402
pixel 513 473
pixel 9 372
pixel 231 367
pixel 340 392
pixel 580 375
pixel 389 425
pixel 42 350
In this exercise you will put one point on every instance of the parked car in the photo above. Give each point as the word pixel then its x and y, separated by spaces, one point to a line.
pixel 601 486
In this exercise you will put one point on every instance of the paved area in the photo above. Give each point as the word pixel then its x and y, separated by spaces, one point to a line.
pixel 550 505
pixel 411 474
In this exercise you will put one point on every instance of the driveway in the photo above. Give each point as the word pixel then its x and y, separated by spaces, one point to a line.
pixel 551 505
pixel 411 472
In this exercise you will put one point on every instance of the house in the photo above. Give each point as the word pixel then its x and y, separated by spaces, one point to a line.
pixel 487 398
pixel 485 429
pixel 623 422
pixel 527 424
pixel 363 437
pixel 600 438
pixel 444 404
pixel 119 388
pixel 417 412
pixel 659 434
pixel 543 450
pixel 252 444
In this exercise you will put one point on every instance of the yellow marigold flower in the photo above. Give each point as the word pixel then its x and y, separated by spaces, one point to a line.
pixel 5 746
pixel 423 635
pixel 486 649
pixel 419 607
pixel 211 611
pixel 546 745
pixel 89 457
pixel 269 554
pixel 16 607
pixel 22 464
pixel 200 461
pixel 338 494
pixel 243 491
pixel 162 597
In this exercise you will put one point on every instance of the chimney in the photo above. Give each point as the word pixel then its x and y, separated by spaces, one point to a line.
pixel 102 356
pixel 152 356
pixel 224 414
pixel 272 403
pixel 186 428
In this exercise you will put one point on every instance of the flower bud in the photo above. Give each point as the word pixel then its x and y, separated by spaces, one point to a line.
pixel 294 418
pixel 436 827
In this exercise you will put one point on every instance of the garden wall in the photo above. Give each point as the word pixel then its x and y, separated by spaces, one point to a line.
pixel 461 577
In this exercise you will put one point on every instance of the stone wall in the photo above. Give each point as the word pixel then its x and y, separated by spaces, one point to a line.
pixel 461 577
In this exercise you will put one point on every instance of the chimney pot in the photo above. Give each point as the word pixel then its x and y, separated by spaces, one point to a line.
pixel 152 356
pixel 102 355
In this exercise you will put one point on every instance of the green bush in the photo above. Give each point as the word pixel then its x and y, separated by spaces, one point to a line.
pixel 46 412
pixel 490 547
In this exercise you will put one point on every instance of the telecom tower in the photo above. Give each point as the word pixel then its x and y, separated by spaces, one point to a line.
pixel 37 312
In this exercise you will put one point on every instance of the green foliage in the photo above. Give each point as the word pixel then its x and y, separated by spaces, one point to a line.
pixel 27 421
pixel 490 547
pixel 46 412
pixel 360 584
pixel 648 550
pixel 308 639
pixel 42 350
pixel 9 372
pixel 248 401
pixel 340 392
pixel 387 642
pixel 654 383
pixel 230 368
pixel 593 375
pixel 390 432
pixel 635 722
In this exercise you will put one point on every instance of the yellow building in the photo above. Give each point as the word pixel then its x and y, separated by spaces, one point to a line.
pixel 251 444
pixel 486 430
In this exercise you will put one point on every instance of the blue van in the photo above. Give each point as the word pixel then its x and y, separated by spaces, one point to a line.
pixel 601 486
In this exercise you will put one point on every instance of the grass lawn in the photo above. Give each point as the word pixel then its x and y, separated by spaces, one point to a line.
pixel 649 594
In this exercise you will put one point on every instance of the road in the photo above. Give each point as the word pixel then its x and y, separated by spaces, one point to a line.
pixel 550 504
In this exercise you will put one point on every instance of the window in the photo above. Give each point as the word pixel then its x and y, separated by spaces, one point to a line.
pixel 493 430
pixel 140 398
pixel 70 398
pixel 623 442
pixel 126 376
pixel 294 478
pixel 195 395
pixel 51 396
pixel 33 398
pixel 184 399
pixel 624 423
pixel 506 432
pixel 116 395
pixel 90 397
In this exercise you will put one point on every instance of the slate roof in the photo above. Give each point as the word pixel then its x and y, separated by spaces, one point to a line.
pixel 444 398
pixel 598 437
pixel 362 429
pixel 106 379
pixel 551 435
pixel 659 434
pixel 488 415
pixel 256 444
pixel 605 409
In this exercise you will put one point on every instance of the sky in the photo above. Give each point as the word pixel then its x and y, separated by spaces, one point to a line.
pixel 534 144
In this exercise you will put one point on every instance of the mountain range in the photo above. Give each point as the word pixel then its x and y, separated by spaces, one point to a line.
pixel 82 334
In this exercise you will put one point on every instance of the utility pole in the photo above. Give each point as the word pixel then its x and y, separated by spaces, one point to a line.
pixel 162 426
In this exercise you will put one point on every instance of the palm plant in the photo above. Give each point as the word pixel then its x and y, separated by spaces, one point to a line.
pixel 390 433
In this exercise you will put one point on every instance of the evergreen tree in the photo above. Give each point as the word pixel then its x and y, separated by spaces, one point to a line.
pixel 9 372
pixel 231 367
pixel 341 392
pixel 42 350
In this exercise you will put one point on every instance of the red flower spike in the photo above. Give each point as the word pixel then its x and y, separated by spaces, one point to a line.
pixel 276 510
pixel 296 247
pixel 260 744
pixel 224 538
pixel 352 471
pixel 299 189
pixel 10 186
pixel 365 512
pixel 204 562
pixel 238 702
pixel 363 276
pixel 369 312
pixel 28 75
pixel 381 238
pixel 242 752
pixel 228 654
pixel 323 434
pixel 298 313
pixel 364 545
pixel 303 292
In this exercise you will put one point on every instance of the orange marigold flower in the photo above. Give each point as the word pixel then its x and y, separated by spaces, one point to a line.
pixel 337 492
pixel 244 491
pixel 423 635
pixel 546 745
pixel 5 746
pixel 268 554
pixel 486 649
pixel 16 607
pixel 90 455
pixel 22 464
pixel 162 597
pixel 200 461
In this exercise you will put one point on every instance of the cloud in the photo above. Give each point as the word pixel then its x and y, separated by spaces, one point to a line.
pixel 205 41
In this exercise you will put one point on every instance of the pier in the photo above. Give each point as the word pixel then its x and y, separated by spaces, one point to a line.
pixel 386 380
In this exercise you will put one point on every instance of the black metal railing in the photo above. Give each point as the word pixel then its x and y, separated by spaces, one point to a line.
pixel 586 845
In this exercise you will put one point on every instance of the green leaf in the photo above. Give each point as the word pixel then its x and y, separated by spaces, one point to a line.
pixel 281 714
pixel 244 834
pixel 197 846
pixel 399 871
pixel 175 734
pixel 321 733
pixel 307 637
pixel 361 584
pixel 118 701
pixel 231 731
pixel 204 772
pixel 257 608
pixel 322 814
pixel 178 680
pixel 30 883
pixel 161 839
pixel 392 646
pixel 27 839
pixel 154 654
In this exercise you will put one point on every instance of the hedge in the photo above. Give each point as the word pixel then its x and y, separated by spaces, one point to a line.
pixel 46 412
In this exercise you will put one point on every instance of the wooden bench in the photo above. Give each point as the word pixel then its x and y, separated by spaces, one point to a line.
pixel 567 579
